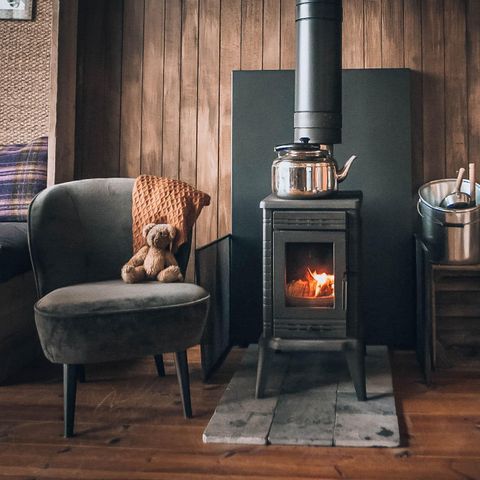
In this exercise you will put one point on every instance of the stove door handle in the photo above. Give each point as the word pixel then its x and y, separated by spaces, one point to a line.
pixel 344 291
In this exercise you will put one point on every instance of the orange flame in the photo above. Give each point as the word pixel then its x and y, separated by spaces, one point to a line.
pixel 325 283
pixel 313 285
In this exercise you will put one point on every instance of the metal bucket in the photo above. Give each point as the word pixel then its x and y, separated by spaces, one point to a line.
pixel 453 236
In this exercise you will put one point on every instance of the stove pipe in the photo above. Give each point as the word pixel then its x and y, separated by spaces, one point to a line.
pixel 318 76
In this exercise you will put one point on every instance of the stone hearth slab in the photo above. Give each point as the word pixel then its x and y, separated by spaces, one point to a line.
pixel 242 428
pixel 364 430
pixel 239 417
pixel 304 419
pixel 377 404
pixel 309 400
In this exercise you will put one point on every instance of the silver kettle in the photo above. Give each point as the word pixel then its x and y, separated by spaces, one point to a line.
pixel 306 170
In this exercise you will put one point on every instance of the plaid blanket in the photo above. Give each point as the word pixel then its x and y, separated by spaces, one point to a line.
pixel 23 173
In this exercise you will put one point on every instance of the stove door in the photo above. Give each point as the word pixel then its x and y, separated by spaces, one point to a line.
pixel 309 283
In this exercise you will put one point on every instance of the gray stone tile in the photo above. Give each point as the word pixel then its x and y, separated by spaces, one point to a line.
pixel 309 371
pixel 377 404
pixel 238 427
pixel 304 419
pixel 363 430
pixel 243 401
pixel 305 413
pixel 276 374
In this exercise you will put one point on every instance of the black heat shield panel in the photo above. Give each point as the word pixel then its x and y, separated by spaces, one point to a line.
pixel 376 127
pixel 212 270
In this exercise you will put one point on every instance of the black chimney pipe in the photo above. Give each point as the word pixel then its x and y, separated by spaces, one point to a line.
pixel 318 76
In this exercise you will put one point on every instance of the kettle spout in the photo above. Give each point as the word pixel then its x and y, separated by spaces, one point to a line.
pixel 342 174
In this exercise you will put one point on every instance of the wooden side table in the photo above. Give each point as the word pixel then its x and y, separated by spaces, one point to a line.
pixel 448 308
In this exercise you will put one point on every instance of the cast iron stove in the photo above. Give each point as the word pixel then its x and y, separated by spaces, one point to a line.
pixel 311 275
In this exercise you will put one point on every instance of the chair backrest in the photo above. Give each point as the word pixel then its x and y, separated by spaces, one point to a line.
pixel 81 231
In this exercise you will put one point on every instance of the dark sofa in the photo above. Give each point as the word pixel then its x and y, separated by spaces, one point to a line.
pixel 14 256
pixel 23 174
pixel 19 344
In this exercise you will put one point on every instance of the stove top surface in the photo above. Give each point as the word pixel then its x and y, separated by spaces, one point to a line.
pixel 342 200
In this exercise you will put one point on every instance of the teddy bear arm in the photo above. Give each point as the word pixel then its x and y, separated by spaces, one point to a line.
pixel 139 257
pixel 170 259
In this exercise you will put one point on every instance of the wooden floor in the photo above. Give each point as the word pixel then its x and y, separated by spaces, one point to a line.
pixel 129 426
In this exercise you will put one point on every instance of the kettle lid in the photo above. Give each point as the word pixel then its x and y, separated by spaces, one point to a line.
pixel 303 145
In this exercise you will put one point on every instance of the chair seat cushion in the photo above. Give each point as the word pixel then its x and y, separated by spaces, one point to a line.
pixel 14 256
pixel 115 296
pixel 111 320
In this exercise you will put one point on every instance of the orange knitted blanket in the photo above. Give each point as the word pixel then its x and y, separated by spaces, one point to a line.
pixel 163 200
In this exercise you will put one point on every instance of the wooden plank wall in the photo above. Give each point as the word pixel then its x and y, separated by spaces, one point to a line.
pixel 62 95
pixel 154 82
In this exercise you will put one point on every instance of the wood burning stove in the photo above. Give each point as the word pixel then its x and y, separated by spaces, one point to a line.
pixel 311 235
pixel 311 275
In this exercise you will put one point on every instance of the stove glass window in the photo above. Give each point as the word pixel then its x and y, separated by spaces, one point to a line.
pixel 309 275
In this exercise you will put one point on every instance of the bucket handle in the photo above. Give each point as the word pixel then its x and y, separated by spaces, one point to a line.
pixel 443 224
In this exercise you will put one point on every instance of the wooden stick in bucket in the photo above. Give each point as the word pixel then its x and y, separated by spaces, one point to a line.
pixel 471 177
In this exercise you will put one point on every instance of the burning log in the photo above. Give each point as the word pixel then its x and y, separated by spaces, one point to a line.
pixel 298 288
pixel 314 286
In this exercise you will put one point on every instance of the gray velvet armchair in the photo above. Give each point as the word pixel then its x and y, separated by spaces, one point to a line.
pixel 80 235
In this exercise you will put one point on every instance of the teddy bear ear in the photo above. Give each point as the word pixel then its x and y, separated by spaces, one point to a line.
pixel 172 231
pixel 146 229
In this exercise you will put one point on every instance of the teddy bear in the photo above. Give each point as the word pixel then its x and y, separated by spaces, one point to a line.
pixel 154 260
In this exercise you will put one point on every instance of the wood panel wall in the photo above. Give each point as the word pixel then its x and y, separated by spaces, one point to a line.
pixel 62 99
pixel 154 82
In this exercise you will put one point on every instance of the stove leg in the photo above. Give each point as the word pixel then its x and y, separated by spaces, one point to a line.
pixel 354 352
pixel 262 365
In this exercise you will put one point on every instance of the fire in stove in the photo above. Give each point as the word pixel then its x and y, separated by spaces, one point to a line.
pixel 308 274
pixel 313 285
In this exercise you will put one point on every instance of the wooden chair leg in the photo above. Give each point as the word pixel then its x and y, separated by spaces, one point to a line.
pixel 181 365
pixel 81 373
pixel 69 398
pixel 160 366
